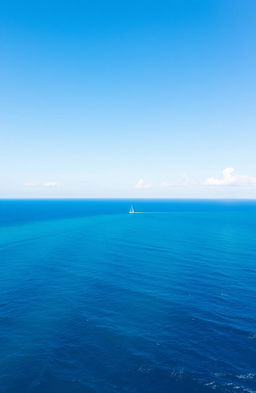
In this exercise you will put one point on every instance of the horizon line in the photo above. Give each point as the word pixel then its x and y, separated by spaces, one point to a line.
pixel 129 198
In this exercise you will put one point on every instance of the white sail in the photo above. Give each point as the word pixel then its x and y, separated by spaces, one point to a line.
pixel 131 211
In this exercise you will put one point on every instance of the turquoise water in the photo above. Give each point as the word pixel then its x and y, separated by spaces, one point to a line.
pixel 96 300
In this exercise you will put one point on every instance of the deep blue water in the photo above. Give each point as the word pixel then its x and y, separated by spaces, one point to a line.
pixel 93 299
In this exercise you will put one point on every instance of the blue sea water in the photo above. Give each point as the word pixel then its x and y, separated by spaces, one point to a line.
pixel 95 300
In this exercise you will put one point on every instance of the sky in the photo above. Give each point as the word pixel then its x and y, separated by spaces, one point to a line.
pixel 127 99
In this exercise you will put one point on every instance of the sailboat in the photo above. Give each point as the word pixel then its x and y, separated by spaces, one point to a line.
pixel 131 211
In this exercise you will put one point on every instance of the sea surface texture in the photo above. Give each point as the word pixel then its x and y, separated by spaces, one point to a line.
pixel 96 300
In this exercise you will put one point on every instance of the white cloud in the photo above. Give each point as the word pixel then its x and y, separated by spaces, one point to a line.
pixel 50 184
pixel 45 184
pixel 228 178
pixel 141 184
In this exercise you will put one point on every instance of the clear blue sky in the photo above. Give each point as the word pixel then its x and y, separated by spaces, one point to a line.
pixel 128 98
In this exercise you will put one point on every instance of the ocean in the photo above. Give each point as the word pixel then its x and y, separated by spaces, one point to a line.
pixel 96 300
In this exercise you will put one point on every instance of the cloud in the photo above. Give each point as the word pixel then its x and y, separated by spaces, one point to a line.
pixel 141 184
pixel 45 184
pixel 228 178
pixel 50 184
